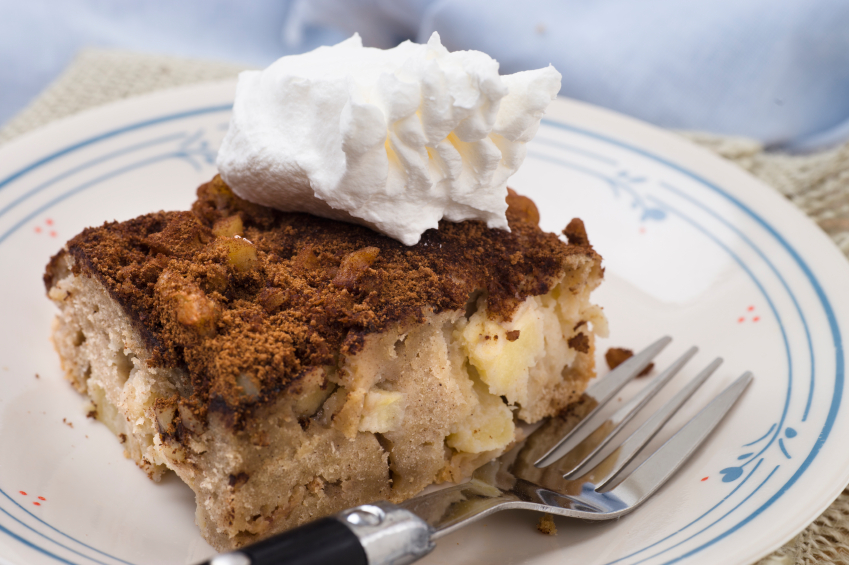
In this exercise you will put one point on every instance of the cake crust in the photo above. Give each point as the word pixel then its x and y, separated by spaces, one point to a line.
pixel 312 288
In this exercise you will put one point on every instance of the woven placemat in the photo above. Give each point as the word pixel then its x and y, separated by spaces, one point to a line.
pixel 818 184
pixel 99 76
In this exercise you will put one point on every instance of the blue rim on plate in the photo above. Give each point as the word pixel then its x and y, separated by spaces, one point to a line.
pixel 191 146
pixel 775 429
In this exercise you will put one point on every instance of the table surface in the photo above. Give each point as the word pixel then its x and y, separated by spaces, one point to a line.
pixel 817 183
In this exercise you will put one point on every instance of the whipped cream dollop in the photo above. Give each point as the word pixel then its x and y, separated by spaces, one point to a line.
pixel 392 139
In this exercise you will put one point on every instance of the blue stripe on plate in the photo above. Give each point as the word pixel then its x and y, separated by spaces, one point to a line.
pixel 837 339
pixel 835 330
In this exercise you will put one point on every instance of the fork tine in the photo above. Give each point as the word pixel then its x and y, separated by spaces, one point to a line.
pixel 602 392
pixel 636 441
pixel 627 412
pixel 663 463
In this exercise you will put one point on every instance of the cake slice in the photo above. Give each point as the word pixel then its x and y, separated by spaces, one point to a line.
pixel 287 366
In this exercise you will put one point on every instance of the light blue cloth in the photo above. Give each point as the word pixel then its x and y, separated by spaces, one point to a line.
pixel 774 70
pixel 39 38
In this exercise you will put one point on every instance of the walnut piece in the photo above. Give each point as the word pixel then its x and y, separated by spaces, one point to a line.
pixel 523 207
pixel 197 312
pixel 272 298
pixel 192 308
pixel 190 421
pixel 306 260
pixel 353 265
pixel 576 233
pixel 165 412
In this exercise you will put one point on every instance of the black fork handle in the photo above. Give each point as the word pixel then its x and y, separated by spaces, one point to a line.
pixel 318 543
pixel 371 534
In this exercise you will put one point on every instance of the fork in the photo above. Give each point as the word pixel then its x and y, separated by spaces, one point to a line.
pixel 568 466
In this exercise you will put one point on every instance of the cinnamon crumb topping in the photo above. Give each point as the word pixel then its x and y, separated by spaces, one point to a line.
pixel 247 299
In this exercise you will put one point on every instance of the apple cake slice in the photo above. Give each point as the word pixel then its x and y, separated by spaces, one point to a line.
pixel 287 366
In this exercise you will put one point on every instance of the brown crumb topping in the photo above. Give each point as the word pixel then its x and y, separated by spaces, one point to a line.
pixel 247 299
pixel 615 356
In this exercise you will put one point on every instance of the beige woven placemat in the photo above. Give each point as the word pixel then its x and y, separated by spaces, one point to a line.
pixel 98 76
pixel 818 184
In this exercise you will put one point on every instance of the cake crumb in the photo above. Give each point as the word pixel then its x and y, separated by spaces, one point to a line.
pixel 580 343
pixel 316 485
pixel 90 410
pixel 546 525
pixel 615 356
pixel 576 233
pixel 37 376
pixel 122 438
pixel 236 481
pixel 67 423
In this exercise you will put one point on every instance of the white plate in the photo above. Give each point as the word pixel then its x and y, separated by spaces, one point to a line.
pixel 694 248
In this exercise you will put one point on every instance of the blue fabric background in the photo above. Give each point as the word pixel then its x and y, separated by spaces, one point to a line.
pixel 775 70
